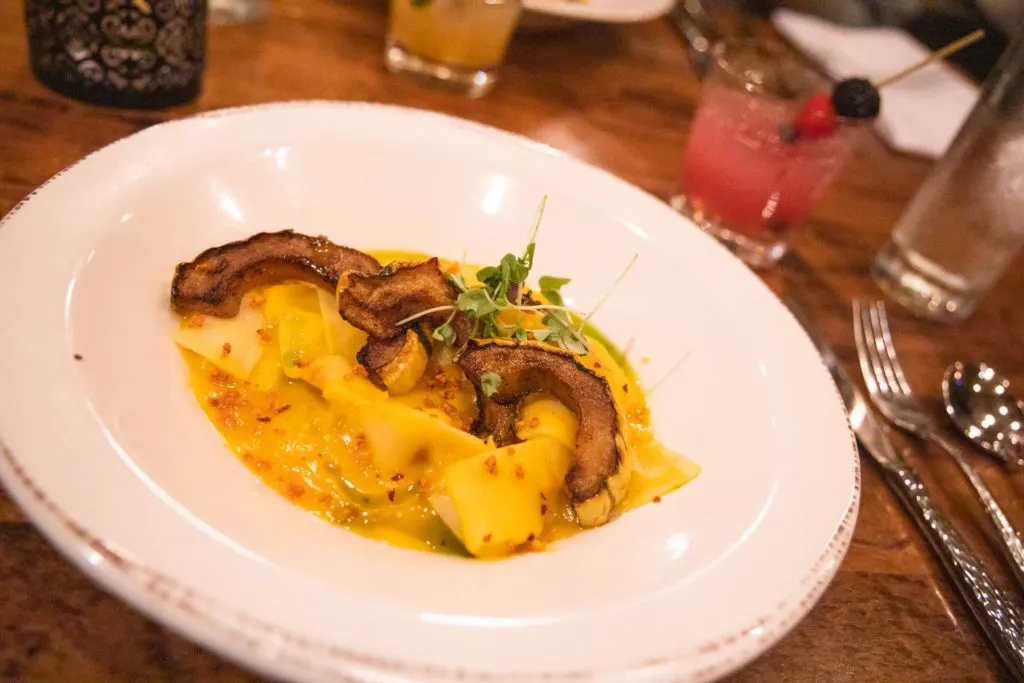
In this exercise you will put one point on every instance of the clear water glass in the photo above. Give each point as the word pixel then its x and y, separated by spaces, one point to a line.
pixel 457 44
pixel 965 226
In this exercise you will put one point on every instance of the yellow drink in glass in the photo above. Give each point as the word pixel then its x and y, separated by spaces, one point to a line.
pixel 460 43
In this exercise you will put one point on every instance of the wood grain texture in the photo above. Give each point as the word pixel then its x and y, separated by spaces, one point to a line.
pixel 618 97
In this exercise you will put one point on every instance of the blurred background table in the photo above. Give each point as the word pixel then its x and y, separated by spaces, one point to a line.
pixel 619 97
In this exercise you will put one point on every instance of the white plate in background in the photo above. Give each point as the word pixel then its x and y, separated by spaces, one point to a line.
pixel 611 11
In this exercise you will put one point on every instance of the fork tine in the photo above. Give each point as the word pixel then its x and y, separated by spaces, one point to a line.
pixel 864 343
pixel 890 348
pixel 884 352
pixel 873 353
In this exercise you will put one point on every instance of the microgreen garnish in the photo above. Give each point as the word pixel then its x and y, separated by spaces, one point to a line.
pixel 490 382
pixel 502 288
pixel 445 333
pixel 551 288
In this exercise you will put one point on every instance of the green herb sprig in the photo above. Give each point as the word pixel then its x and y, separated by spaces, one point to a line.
pixel 484 304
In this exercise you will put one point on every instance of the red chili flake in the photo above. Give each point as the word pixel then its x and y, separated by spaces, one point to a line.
pixel 325 498
pixel 511 450
pixel 397 477
pixel 264 334
pixel 625 388
pixel 77 356
pixel 261 418
pixel 542 496
pixel 195 321
pixel 283 408
pixel 491 465
pixel 448 408
pixel 448 394
pixel 534 421
pixel 520 472
pixel 296 490
pixel 487 538
pixel 391 495
pixel 214 401
pixel 530 538
pixel 543 509
pixel 656 499
pixel 597 364
pixel 226 349
pixel 429 402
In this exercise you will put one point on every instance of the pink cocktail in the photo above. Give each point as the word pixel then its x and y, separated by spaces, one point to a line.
pixel 746 177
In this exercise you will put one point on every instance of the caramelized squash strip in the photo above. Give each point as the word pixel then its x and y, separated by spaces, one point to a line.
pixel 377 303
pixel 214 282
pixel 598 477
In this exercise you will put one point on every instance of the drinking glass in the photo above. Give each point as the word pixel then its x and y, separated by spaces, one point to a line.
pixel 964 227
pixel 745 178
pixel 237 11
pixel 456 43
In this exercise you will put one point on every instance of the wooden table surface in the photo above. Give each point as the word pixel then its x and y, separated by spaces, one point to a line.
pixel 618 97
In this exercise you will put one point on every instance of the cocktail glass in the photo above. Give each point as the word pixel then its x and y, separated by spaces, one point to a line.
pixel 456 43
pixel 747 178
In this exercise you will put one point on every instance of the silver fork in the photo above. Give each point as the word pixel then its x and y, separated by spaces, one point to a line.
pixel 891 393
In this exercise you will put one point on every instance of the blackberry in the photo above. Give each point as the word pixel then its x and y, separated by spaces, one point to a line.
pixel 856 98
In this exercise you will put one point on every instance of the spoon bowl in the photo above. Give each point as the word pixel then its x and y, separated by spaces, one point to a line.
pixel 979 402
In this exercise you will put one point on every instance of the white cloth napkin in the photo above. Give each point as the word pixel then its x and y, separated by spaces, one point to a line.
pixel 920 114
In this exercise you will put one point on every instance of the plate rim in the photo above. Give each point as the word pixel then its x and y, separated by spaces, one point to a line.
pixel 218 627
pixel 584 12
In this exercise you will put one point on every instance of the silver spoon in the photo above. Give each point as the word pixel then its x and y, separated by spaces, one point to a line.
pixel 979 402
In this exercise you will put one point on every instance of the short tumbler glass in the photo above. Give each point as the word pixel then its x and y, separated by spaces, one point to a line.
pixel 459 44
pixel 746 179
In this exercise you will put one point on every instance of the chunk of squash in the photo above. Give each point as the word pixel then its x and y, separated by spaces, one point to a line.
pixel 405 369
pixel 542 416
pixel 498 500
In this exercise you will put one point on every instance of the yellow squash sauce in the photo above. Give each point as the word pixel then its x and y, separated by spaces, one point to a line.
pixel 303 447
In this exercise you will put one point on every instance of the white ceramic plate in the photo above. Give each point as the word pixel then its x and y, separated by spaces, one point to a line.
pixel 114 461
pixel 612 11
